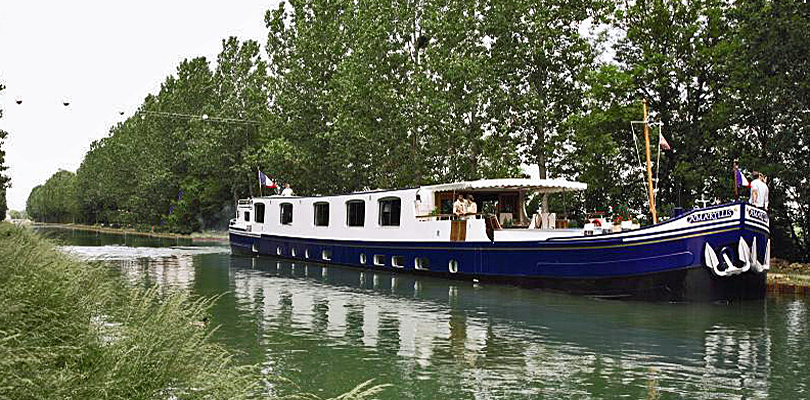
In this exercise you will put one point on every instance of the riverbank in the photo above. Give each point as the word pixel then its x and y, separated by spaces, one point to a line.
pixel 76 330
pixel 208 236
pixel 71 329
pixel 786 277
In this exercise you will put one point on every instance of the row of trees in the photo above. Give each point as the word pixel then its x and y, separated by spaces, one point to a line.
pixel 377 93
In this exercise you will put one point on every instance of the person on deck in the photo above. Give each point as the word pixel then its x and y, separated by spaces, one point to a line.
pixel 459 206
pixel 766 191
pixel 472 208
pixel 287 190
pixel 759 191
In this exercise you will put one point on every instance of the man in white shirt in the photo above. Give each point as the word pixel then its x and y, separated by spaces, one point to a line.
pixel 459 206
pixel 766 191
pixel 759 191
pixel 287 190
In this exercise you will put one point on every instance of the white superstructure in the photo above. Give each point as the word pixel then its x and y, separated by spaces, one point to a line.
pixel 417 214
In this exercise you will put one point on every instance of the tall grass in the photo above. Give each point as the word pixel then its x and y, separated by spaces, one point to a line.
pixel 76 330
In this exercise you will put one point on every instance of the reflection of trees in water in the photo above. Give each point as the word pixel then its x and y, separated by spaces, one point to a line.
pixel 386 325
pixel 175 272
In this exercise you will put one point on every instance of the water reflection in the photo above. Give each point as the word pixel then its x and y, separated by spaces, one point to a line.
pixel 503 341
pixel 328 328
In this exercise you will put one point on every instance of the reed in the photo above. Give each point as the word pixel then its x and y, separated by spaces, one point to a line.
pixel 76 330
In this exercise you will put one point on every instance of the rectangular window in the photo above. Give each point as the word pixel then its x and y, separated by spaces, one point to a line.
pixel 390 211
pixel 286 213
pixel 247 216
pixel 259 209
pixel 321 214
pixel 356 213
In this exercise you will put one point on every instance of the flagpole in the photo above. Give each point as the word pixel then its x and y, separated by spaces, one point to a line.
pixel 649 165
pixel 736 192
pixel 259 174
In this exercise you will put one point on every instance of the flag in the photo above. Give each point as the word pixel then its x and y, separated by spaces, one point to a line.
pixel 663 142
pixel 740 178
pixel 265 181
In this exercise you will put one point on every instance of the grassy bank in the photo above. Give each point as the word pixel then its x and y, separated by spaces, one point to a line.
pixel 73 330
pixel 201 236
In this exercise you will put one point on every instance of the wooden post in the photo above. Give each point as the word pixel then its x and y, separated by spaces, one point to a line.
pixel 736 192
pixel 649 166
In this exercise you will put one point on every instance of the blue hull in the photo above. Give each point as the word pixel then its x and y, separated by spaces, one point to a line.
pixel 659 267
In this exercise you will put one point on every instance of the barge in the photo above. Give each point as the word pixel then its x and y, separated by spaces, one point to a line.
pixel 708 254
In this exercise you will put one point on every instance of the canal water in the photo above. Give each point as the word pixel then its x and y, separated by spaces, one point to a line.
pixel 326 329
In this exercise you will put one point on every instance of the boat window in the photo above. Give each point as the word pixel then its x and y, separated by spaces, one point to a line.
pixel 321 214
pixel 379 259
pixel 259 217
pixel 355 213
pixel 421 263
pixel 398 261
pixel 390 211
pixel 286 213
pixel 247 216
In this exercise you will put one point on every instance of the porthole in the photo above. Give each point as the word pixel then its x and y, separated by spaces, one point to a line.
pixel 306 253
pixel 278 250
pixel 292 251
pixel 255 247
pixel 452 266
pixel 421 263
pixel 326 255
pixel 379 260
pixel 363 258
pixel 398 261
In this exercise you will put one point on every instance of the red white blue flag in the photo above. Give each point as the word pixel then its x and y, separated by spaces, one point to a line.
pixel 741 181
pixel 265 181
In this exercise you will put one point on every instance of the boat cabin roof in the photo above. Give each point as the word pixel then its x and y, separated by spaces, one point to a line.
pixel 483 185
pixel 539 185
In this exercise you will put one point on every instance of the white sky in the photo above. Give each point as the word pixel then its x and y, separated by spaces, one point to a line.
pixel 103 57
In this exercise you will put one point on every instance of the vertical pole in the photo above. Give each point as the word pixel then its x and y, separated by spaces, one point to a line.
pixel 736 192
pixel 260 181
pixel 649 166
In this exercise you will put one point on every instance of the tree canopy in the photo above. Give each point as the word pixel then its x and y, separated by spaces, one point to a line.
pixel 379 94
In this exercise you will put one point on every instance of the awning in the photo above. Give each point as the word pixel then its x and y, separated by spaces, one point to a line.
pixel 538 185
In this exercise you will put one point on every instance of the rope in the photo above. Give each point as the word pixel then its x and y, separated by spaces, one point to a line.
pixel 638 156
pixel 658 162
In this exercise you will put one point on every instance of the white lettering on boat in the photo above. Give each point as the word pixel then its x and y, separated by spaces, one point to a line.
pixel 709 216
pixel 758 215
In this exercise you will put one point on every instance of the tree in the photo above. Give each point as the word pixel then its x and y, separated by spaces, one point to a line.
pixel 4 180
pixel 769 99
pixel 55 200
pixel 539 60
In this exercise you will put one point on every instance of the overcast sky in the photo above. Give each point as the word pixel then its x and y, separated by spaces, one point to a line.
pixel 103 57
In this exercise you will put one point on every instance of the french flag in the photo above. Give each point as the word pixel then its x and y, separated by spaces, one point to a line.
pixel 265 181
pixel 741 181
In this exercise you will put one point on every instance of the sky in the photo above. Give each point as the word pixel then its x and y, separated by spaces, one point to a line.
pixel 103 57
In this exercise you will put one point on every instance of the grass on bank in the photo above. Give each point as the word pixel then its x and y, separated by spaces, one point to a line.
pixel 77 330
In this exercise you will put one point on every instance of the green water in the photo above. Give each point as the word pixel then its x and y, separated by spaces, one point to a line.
pixel 327 329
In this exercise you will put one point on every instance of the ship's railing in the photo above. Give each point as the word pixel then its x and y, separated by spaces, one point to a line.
pixel 449 217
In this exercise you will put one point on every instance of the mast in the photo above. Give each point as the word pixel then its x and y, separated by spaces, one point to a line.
pixel 649 166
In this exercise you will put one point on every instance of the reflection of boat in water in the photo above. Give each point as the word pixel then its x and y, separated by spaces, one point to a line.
pixel 508 334
pixel 718 252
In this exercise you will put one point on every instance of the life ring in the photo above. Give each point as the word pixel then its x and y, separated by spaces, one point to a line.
pixel 452 266
pixel 596 222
